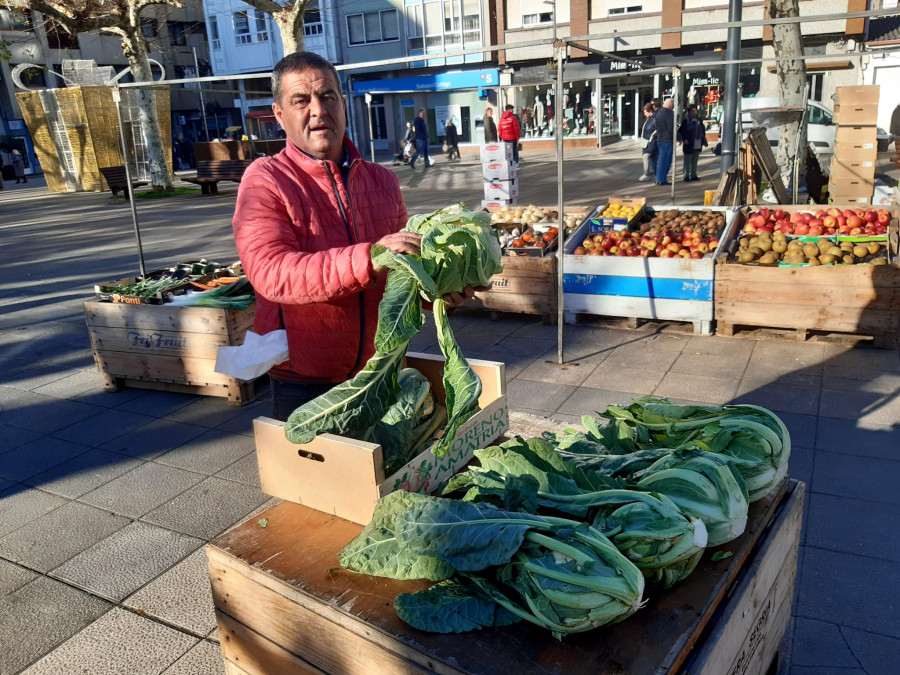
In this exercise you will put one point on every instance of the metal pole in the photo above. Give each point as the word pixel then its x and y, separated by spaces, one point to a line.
pixel 371 137
pixel 676 116
pixel 560 253
pixel 128 189
pixel 732 78
pixel 202 97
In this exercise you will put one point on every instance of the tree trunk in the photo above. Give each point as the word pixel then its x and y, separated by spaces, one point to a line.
pixel 136 52
pixel 791 72
pixel 292 38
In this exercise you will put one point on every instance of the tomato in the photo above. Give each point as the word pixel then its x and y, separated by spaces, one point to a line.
pixel 518 243
pixel 548 236
pixel 553 230
pixel 527 236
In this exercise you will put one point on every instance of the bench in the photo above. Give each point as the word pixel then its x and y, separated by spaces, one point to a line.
pixel 211 171
pixel 117 181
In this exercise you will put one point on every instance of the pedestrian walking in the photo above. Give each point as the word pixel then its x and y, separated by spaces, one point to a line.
pixel 664 118
pixel 510 131
pixel 451 140
pixel 693 140
pixel 420 127
pixel 649 147
pixel 490 127
pixel 18 163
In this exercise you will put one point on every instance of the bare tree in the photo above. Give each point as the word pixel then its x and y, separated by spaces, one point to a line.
pixel 288 17
pixel 122 18
pixel 787 43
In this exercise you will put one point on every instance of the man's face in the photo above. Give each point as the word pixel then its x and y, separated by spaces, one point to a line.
pixel 489 112
pixel 422 114
pixel 311 110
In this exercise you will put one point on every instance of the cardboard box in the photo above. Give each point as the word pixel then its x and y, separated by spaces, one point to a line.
pixel 862 114
pixel 853 153
pixel 863 165
pixel 851 191
pixel 345 477
pixel 498 171
pixel 497 203
pixel 885 195
pixel 496 152
pixel 866 94
pixel 865 137
pixel 501 189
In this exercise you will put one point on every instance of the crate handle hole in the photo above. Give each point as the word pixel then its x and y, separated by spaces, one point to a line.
pixel 315 457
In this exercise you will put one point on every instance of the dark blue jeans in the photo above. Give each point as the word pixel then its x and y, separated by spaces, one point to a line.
pixel 663 162
pixel 288 396
pixel 421 149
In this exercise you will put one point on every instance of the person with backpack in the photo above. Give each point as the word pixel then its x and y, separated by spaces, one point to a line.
pixel 510 131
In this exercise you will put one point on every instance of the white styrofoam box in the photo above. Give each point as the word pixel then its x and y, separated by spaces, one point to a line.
pixel 501 189
pixel 496 152
pixel 498 171
pixel 884 195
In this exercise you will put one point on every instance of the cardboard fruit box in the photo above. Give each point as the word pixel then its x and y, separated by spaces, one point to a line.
pixel 345 477
pixel 597 222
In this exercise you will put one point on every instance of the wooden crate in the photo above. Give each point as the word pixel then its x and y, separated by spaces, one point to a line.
pixel 667 289
pixel 859 300
pixel 525 286
pixel 281 607
pixel 345 477
pixel 167 347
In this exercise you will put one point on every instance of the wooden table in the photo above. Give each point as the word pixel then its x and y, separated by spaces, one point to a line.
pixel 283 607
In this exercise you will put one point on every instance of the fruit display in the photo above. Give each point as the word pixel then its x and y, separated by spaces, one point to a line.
pixel 857 222
pixel 536 215
pixel 775 248
pixel 619 210
pixel 530 242
pixel 662 234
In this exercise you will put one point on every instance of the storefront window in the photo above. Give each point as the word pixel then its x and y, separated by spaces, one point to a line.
pixel 534 105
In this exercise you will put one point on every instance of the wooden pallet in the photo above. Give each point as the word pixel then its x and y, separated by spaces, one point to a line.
pixel 726 329
pixel 764 158
pixel 168 348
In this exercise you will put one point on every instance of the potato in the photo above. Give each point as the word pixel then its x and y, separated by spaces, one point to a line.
pixel 860 251
pixel 849 260
pixel 826 259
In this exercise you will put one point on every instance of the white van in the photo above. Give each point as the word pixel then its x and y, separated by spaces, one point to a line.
pixel 820 127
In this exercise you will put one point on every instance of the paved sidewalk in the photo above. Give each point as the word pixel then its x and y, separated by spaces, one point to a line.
pixel 107 499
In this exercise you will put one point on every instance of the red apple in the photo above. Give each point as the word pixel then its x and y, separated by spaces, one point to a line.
pixel 829 221
pixel 855 221
pixel 713 243
pixel 646 252
pixel 884 217
pixel 870 216
pixel 796 217
pixel 666 253
pixel 764 213
pixel 659 251
pixel 816 230
pixel 834 211
pixel 801 229
pixel 696 255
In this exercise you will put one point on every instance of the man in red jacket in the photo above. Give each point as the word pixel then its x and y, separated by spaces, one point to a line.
pixel 304 225
pixel 509 131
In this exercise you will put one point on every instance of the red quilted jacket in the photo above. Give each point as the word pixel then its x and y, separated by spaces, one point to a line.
pixel 304 239
pixel 509 127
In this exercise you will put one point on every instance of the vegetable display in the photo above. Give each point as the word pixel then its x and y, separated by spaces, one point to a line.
pixel 458 248
pixel 564 530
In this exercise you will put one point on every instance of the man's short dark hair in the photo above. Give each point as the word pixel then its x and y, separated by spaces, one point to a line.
pixel 421 110
pixel 297 63
pixel 509 107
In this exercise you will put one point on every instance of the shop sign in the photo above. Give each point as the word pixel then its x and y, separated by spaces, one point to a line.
pixel 472 79
pixel 609 66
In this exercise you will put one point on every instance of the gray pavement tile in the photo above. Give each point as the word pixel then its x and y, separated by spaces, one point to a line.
pixel 50 540
pixel 515 362
pixel 863 358
pixel 12 578
pixel 779 396
pixel 546 368
pixel 789 357
pixel 878 655
pixel 621 378
pixel 12 437
pixel 204 658
pixel 536 329
pixel 208 508
pixel 245 470
pixel 870 381
pixel 817 643
pixel 692 361
pixel 123 562
pixel 859 405
pixel 48 414
pixel 154 439
pixel 860 592
pixel 207 411
pixel 716 390
pixel 242 422
pixel 83 473
pixel 142 489
pixel 157 403
pixel 858 437
pixel 865 478
pixel 180 597
pixel 119 642
pixel 657 352
pixel 534 395
pixel 38 617
pixel 580 343
pixel 801 427
pixel 482 322
pixel 819 670
pixel 585 401
pixel 81 385
pixel 19 506
pixel 106 426
pixel 726 348
pixel 800 464
pixel 834 523
pixel 209 452
pixel 31 376
pixel 37 456
pixel 473 344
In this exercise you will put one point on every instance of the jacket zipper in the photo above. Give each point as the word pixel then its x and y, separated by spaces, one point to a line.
pixel 351 234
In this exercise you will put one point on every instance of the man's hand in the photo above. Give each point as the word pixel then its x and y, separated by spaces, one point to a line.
pixel 400 242
pixel 456 299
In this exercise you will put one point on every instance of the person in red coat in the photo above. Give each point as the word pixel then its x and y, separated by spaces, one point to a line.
pixel 304 225
pixel 509 130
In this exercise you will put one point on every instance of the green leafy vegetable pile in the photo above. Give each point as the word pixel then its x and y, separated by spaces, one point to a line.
pixel 459 248
pixel 531 533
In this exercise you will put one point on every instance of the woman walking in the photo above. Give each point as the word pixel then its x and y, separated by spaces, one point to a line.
pixel 18 163
pixel 648 143
pixel 693 140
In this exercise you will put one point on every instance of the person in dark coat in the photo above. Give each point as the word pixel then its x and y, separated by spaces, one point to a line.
pixel 648 142
pixel 693 139
pixel 451 138
pixel 18 163
pixel 421 131
pixel 490 127
pixel 665 132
